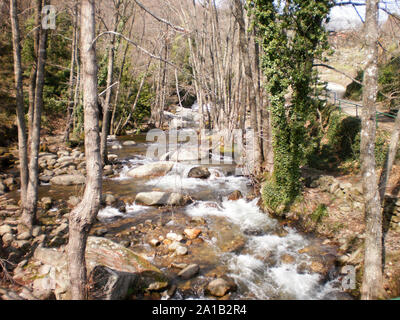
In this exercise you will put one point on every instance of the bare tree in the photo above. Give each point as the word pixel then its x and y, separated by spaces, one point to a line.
pixel 28 217
pixel 372 286
pixel 73 77
pixel 82 217
pixel 22 138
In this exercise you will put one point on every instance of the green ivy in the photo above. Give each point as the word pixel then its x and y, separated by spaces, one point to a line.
pixel 292 35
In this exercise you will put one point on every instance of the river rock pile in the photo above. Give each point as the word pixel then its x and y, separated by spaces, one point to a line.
pixel 66 168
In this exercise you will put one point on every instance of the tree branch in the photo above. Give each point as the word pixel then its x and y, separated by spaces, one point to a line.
pixel 176 28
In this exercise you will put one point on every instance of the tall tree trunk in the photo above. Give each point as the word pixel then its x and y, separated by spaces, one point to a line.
pixel 372 287
pixel 83 216
pixel 250 81
pixel 33 74
pixel 110 78
pixel 391 157
pixel 72 78
pixel 28 217
pixel 22 138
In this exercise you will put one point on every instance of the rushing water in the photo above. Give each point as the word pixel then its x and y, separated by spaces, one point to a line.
pixel 257 267
pixel 260 244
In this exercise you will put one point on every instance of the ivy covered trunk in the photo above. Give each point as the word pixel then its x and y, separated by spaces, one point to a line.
pixel 291 38
pixel 372 276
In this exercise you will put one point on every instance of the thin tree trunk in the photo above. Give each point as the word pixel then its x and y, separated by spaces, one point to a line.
pixel 22 138
pixel 372 286
pixel 33 74
pixel 83 216
pixel 28 217
pixel 391 157
pixel 72 78
pixel 106 107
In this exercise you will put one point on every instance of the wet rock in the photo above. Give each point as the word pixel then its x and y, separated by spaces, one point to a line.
pixel 178 249
pixel 236 195
pixel 129 143
pixel 181 251
pixel 288 259
pixel 235 245
pixel 157 286
pixel 189 272
pixel 318 267
pixel 199 173
pixel 219 287
pixel 192 233
pixel 174 237
pixel 161 199
pixel 151 170
pixel 68 180
pixel 180 266
pixel 108 170
pixel 47 203
pixel 109 200
pixel 116 146
pixel 112 157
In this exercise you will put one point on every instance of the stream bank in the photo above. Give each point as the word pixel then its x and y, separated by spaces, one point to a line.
pixel 216 244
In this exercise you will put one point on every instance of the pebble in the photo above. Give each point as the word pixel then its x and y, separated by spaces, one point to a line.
pixel 189 272
pixel 174 237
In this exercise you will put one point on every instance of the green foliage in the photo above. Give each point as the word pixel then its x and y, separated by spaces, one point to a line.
pixel 320 213
pixel 343 135
pixel 343 141
pixel 58 56
pixel 354 89
pixel 273 195
pixel 291 38
pixel 389 82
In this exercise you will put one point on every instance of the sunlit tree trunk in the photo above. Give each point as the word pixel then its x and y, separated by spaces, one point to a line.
pixel 83 216
pixel 372 286
pixel 22 138
pixel 28 217
pixel 72 78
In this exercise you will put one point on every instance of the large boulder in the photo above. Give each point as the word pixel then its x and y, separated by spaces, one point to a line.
pixel 220 287
pixel 161 199
pixel 150 170
pixel 68 180
pixel 199 173
pixel 109 284
pixel 121 270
